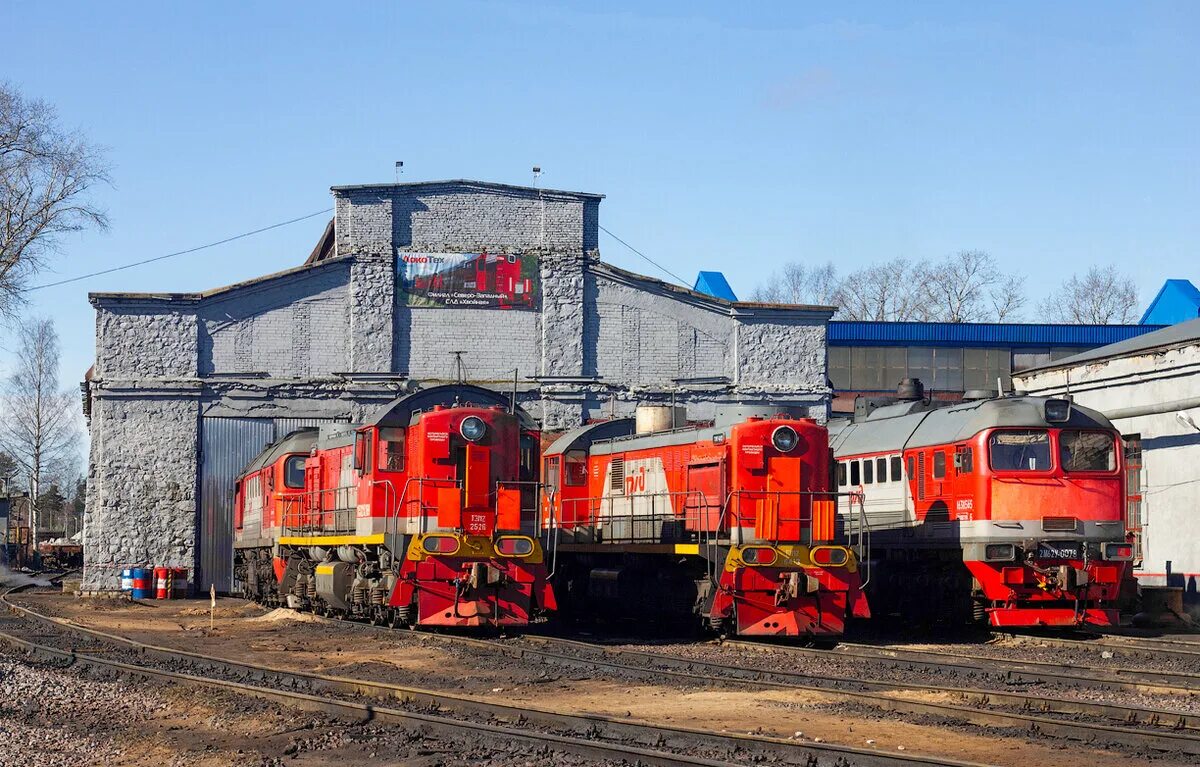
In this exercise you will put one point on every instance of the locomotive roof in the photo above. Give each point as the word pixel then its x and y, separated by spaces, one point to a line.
pixel 913 424
pixel 583 436
pixel 399 412
pixel 298 441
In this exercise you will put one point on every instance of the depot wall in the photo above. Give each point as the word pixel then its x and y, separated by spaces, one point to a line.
pixel 333 340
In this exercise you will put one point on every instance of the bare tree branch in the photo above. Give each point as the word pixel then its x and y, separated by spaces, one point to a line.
pixel 1100 297
pixel 45 174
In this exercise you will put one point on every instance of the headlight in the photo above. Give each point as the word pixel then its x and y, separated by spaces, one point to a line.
pixel 1118 552
pixel 999 552
pixel 472 428
pixel 759 555
pixel 1058 410
pixel 784 439
pixel 514 546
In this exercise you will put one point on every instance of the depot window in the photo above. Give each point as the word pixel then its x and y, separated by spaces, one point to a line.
pixel 1086 451
pixel 1024 450
pixel 293 472
pixel 391 449
pixel 576 469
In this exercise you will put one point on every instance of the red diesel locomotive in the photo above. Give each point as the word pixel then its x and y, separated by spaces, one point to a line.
pixel 425 515
pixel 734 523
pixel 1005 510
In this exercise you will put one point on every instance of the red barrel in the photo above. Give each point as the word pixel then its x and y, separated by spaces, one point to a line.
pixel 179 582
pixel 162 583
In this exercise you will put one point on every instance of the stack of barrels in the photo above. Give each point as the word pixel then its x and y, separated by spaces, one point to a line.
pixel 156 583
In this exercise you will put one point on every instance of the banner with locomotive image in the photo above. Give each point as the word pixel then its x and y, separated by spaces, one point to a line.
pixel 469 280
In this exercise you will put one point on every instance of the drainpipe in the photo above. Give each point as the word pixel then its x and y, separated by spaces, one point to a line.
pixel 1155 409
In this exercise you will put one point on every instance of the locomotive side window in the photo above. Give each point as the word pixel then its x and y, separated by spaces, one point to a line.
pixel 391 449
pixel 841 469
pixel 551 476
pixel 896 468
pixel 868 472
pixel 939 464
pixel 911 473
pixel 964 460
pixel 293 472
pixel 1027 450
pixel 1086 451
pixel 855 479
pixel 881 474
pixel 576 473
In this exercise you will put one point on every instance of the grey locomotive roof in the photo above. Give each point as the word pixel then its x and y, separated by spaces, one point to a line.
pixel 298 441
pixel 1174 335
pixel 583 436
pixel 399 412
pixel 894 428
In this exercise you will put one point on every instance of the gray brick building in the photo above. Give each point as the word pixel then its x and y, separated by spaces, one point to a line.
pixel 188 387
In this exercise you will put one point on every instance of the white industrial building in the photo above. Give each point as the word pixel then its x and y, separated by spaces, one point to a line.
pixel 1149 387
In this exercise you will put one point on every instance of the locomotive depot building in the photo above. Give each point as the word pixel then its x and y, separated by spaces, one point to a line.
pixel 410 284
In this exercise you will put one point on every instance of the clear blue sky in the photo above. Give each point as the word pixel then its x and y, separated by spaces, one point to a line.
pixel 725 136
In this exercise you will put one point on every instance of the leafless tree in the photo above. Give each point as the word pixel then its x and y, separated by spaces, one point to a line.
pixel 797 283
pixel 45 175
pixel 891 291
pixel 968 286
pixel 1103 296
pixel 37 425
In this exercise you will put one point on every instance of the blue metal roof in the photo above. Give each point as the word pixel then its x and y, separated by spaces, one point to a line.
pixel 1177 301
pixel 714 284
pixel 855 333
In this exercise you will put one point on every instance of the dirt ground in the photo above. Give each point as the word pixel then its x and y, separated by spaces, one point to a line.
pixel 244 631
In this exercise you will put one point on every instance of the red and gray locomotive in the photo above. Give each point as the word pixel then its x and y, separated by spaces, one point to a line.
pixel 424 515
pixel 734 523
pixel 1006 510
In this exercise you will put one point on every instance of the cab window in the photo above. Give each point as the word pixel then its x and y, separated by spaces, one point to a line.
pixel 896 468
pixel 576 469
pixel 1024 450
pixel 293 472
pixel 1086 451
pixel 551 475
pixel 391 449
pixel 939 464
pixel 881 474
pixel 854 477
pixel 841 477
pixel 868 471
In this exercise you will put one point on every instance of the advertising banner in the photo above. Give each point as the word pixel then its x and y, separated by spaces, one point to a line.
pixel 469 280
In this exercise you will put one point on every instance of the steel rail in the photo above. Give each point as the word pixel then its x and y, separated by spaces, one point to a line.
pixel 624 739
pixel 1137 646
pixel 1142 679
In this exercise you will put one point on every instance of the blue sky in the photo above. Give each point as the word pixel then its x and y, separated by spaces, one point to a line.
pixel 734 138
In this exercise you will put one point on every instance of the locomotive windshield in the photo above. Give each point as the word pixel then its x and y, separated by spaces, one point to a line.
pixel 1086 451
pixel 293 472
pixel 1026 450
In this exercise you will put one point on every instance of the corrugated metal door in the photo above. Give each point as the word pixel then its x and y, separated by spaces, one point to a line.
pixel 227 445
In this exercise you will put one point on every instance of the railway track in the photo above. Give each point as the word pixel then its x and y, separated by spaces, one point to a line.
pixel 1028 671
pixel 447 715
pixel 1136 647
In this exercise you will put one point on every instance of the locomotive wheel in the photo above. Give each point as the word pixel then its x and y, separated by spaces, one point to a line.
pixel 376 616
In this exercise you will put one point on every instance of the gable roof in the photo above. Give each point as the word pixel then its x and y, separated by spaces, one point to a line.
pixel 1177 301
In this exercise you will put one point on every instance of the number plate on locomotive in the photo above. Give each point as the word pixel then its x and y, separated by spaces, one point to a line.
pixel 1067 550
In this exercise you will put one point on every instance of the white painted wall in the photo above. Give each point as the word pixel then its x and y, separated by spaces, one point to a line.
pixel 1170 444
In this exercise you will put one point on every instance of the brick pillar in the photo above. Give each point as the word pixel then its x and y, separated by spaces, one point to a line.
pixel 562 314
pixel 372 306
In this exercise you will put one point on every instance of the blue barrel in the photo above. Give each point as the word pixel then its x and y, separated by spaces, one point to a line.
pixel 127 579
pixel 143 583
